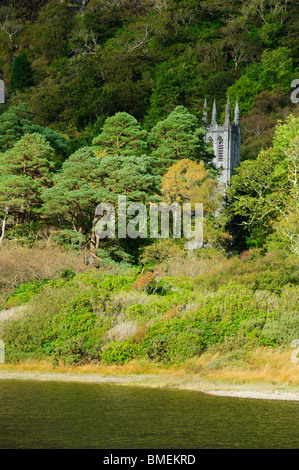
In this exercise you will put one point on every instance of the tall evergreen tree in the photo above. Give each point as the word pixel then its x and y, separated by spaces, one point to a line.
pixel 177 137
pixel 16 122
pixel 129 176
pixel 75 194
pixel 24 171
pixel 122 135
pixel 22 74
pixel 12 124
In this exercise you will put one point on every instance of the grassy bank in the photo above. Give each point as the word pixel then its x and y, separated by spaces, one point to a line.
pixel 262 372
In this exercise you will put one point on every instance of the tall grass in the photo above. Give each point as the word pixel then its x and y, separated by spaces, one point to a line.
pixel 21 264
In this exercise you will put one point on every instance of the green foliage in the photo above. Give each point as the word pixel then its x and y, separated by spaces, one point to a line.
pixel 93 77
pixel 58 142
pixel 262 191
pixel 75 194
pixel 17 121
pixel 160 251
pixel 175 84
pixel 119 353
pixel 245 89
pixel 281 330
pixel 130 176
pixel 32 156
pixel 167 342
pixel 24 293
pixel 50 35
pixel 145 60
pixel 21 75
pixel 127 175
pixel 77 331
pixel 12 124
pixel 121 135
pixel 69 239
pixel 25 170
pixel 276 69
pixel 76 326
pixel 179 136
pixel 274 72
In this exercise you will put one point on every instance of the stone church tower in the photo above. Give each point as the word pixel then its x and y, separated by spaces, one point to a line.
pixel 226 140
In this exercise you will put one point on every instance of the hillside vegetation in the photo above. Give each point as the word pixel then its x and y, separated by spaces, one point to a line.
pixel 113 318
pixel 105 99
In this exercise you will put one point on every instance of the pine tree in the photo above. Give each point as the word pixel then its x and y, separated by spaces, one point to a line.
pixel 121 135
pixel 22 74
pixel 127 175
pixel 12 124
pixel 16 122
pixel 24 171
pixel 177 137
pixel 73 198
pixel 32 156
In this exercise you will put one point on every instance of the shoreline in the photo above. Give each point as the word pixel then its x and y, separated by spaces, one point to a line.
pixel 162 381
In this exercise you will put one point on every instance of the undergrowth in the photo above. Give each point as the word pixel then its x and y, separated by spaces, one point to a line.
pixel 100 318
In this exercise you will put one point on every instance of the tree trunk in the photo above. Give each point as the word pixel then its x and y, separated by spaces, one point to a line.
pixel 3 227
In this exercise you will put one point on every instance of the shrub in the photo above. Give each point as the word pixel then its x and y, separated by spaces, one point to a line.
pixel 24 293
pixel 156 349
pixel 282 330
pixel 144 283
pixel 77 350
pixel 162 250
pixel 92 316
pixel 252 329
pixel 120 353
pixel 184 345
pixel 173 340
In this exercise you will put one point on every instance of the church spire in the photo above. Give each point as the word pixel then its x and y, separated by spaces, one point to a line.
pixel 214 114
pixel 205 112
pixel 227 112
pixel 237 114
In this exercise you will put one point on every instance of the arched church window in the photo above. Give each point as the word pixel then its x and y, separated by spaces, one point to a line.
pixel 220 149
pixel 234 146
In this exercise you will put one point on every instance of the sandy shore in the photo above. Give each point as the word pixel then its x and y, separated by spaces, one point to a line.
pixel 288 396
pixel 254 391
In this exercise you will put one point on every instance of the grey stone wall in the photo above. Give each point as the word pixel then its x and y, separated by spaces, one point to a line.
pixel 2 92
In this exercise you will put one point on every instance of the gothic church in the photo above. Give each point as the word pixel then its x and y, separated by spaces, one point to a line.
pixel 226 140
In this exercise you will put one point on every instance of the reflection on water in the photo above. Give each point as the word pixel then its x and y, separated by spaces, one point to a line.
pixel 67 415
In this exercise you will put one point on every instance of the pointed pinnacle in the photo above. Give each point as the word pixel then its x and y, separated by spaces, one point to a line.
pixel 237 114
pixel 227 111
pixel 214 113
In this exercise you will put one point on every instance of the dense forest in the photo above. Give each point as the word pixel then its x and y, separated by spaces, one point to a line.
pixel 105 98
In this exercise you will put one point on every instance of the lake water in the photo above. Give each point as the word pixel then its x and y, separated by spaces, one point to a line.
pixel 76 416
